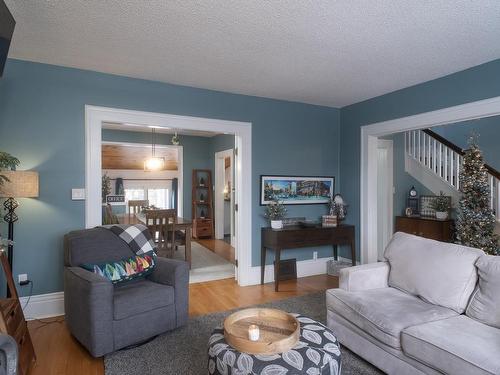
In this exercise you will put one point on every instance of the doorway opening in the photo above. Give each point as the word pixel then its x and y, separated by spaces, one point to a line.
pixel 169 188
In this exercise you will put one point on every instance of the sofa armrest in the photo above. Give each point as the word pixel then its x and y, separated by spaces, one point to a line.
pixel 88 304
pixel 364 277
pixel 174 273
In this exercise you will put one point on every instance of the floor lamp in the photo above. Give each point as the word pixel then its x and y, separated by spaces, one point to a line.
pixel 20 184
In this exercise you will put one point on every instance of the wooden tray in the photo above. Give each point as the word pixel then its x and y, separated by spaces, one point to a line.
pixel 279 331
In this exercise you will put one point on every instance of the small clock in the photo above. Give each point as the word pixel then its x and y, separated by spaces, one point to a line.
pixel 412 202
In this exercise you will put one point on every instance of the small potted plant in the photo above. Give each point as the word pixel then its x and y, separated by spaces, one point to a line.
pixel 441 204
pixel 275 212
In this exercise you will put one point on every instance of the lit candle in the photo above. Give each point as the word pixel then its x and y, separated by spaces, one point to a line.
pixel 253 332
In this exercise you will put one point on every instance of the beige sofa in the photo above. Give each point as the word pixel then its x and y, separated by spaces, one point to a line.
pixel 431 308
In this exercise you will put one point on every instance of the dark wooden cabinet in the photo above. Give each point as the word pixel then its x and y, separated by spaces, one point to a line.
pixel 294 237
pixel 440 230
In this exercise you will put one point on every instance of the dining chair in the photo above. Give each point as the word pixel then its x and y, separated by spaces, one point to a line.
pixel 135 206
pixel 109 216
pixel 161 224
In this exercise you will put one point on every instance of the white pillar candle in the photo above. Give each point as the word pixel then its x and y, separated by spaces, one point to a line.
pixel 253 332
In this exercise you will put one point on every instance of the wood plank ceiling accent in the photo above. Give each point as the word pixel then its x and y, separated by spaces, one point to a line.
pixel 132 157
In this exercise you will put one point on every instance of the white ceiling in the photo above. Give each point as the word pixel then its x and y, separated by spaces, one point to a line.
pixel 147 129
pixel 325 52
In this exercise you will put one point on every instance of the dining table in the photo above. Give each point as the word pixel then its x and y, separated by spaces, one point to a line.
pixel 180 224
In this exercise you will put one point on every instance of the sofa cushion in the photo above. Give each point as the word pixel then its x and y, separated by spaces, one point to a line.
pixel 384 313
pixel 140 296
pixel 485 302
pixel 458 345
pixel 441 273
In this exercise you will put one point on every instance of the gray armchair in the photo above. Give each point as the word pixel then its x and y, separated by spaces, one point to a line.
pixel 104 317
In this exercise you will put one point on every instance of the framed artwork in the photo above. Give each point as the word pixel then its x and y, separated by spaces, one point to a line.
pixel 296 189
pixel 426 202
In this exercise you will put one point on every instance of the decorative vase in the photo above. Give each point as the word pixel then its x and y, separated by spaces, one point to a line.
pixel 277 224
pixel 441 215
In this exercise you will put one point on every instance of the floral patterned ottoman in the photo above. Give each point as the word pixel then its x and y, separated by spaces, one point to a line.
pixel 317 352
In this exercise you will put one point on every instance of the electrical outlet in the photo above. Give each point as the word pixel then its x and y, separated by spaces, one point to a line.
pixel 22 277
pixel 315 255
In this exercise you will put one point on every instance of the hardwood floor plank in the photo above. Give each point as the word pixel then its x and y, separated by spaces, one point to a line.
pixel 58 353
pixel 219 247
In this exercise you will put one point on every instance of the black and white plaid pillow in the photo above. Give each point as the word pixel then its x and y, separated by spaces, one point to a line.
pixel 137 237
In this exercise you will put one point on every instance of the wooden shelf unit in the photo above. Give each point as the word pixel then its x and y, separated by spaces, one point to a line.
pixel 203 227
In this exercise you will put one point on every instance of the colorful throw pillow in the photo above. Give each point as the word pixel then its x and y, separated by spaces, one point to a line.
pixel 124 270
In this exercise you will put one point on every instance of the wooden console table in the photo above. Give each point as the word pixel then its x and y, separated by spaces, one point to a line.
pixel 294 237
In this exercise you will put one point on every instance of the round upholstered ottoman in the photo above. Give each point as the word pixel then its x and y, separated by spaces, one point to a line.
pixel 317 352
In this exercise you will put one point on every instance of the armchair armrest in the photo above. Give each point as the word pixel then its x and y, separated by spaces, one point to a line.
pixel 364 277
pixel 176 274
pixel 88 304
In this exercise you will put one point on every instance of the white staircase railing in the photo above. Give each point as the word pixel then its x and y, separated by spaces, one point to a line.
pixel 444 161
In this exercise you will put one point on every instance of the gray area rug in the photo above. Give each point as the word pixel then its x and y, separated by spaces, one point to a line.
pixel 184 350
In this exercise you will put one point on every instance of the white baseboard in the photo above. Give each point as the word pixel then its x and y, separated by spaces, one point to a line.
pixel 52 304
pixel 309 267
pixel 43 305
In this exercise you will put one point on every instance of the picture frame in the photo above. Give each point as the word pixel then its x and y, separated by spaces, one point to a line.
pixel 296 190
pixel 426 202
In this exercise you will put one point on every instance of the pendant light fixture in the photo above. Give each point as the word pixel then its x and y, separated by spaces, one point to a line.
pixel 154 163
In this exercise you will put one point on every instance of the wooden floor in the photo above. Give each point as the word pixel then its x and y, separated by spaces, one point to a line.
pixel 58 353
pixel 219 247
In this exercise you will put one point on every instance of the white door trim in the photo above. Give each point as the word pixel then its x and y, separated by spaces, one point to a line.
pixel 369 135
pixel 219 158
pixel 95 116
pixel 388 218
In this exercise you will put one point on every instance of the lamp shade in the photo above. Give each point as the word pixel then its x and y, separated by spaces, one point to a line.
pixel 21 184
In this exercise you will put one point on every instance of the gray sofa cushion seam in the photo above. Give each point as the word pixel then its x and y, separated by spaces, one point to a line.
pixel 438 347
pixel 468 282
pixel 104 281
pixel 143 312
pixel 356 312
pixel 470 301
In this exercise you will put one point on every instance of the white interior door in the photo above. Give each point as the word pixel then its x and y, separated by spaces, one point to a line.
pixel 385 191
pixel 220 184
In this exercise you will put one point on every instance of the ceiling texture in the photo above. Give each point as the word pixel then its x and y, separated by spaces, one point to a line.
pixel 324 52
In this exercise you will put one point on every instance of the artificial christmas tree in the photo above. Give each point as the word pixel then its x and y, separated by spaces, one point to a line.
pixel 475 219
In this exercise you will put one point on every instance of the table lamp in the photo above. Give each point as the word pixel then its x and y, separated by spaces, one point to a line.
pixel 20 184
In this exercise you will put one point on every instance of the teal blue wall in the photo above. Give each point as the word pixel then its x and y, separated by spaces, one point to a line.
pixel 488 130
pixel 402 180
pixel 42 123
pixel 473 84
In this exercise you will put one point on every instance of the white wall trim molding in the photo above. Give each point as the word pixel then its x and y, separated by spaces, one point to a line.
pixel 308 267
pixel 95 116
pixel 52 304
pixel 369 135
pixel 43 305
pixel 219 172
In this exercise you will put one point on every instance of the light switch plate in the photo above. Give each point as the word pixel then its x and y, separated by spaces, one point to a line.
pixel 78 194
